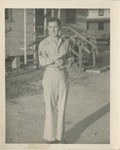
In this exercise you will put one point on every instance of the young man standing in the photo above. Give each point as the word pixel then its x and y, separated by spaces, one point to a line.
pixel 55 54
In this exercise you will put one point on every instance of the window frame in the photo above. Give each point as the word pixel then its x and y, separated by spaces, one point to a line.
pixel 68 20
pixel 100 25
pixel 100 12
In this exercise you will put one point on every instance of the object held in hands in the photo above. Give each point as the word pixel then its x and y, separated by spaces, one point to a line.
pixel 58 62
pixel 68 63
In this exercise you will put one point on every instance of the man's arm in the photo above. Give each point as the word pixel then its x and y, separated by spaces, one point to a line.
pixel 44 60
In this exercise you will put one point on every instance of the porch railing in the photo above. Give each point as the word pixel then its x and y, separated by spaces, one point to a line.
pixel 86 50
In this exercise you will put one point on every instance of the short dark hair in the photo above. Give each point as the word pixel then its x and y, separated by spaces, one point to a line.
pixel 54 19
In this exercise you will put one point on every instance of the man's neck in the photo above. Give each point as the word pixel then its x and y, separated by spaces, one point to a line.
pixel 55 39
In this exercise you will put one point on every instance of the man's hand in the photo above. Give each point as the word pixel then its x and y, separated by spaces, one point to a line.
pixel 69 62
pixel 63 58
pixel 59 62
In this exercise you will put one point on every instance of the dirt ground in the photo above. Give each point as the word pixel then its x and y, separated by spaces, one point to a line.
pixel 87 112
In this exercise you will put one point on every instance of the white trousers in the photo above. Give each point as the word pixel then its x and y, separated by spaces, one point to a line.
pixel 55 85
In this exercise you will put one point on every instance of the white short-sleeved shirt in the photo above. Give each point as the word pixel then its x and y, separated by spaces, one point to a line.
pixel 49 51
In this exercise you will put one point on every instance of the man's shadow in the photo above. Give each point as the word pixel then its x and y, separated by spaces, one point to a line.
pixel 73 134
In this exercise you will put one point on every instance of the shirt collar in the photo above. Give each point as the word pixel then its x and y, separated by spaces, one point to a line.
pixel 59 41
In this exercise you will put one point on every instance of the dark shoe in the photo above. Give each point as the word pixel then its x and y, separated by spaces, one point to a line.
pixel 50 142
pixel 61 142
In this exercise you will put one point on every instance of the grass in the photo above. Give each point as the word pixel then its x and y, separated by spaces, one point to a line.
pixel 19 82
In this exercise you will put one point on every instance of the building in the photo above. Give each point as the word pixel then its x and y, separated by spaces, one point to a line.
pixel 19 30
pixel 98 20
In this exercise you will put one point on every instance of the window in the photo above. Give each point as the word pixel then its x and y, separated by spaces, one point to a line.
pixel 39 21
pixel 101 26
pixel 7 14
pixel 70 16
pixel 101 12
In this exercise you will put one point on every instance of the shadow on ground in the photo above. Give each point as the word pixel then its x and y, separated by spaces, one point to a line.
pixel 73 134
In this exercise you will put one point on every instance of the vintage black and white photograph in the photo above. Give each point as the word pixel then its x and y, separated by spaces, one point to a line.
pixel 57 75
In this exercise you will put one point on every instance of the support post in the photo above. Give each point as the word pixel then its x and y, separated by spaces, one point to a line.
pixel 94 58
pixel 80 59
pixel 34 32
pixel 36 61
pixel 45 22
pixel 59 13
pixel 37 55
pixel 52 12
pixel 25 45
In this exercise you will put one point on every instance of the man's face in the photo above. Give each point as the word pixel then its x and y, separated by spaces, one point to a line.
pixel 53 29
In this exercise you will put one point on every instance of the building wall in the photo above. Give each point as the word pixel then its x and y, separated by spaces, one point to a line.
pixel 100 33
pixel 93 14
pixel 14 39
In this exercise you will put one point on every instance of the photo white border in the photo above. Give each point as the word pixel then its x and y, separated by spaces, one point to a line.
pixel 114 70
